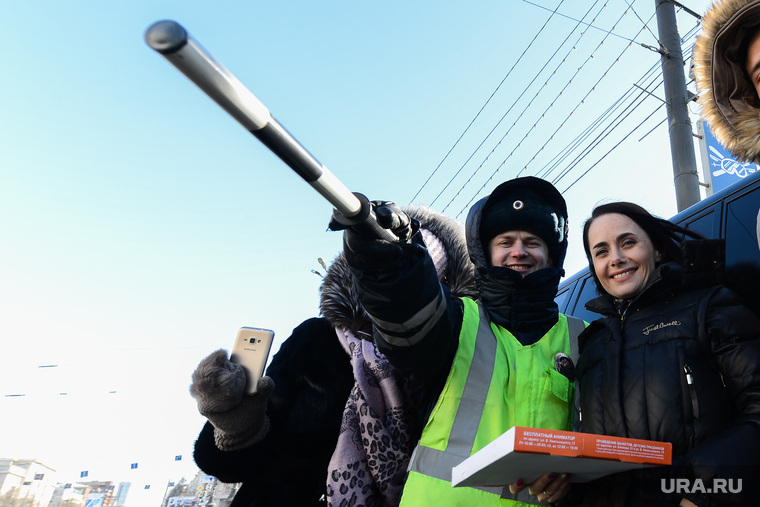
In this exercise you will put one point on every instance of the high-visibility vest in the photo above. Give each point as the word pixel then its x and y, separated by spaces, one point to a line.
pixel 495 383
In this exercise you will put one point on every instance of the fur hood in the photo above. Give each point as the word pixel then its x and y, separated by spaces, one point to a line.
pixel 729 102
pixel 339 302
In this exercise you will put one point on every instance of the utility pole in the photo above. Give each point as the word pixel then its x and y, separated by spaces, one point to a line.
pixel 676 99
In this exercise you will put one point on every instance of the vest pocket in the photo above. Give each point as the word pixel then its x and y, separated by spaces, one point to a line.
pixel 559 384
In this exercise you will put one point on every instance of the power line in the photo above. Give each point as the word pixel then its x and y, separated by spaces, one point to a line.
pixel 535 77
pixel 658 108
pixel 608 152
pixel 627 111
pixel 598 123
pixel 653 128
pixel 613 124
pixel 487 101
pixel 645 23
pixel 608 32
pixel 604 75
pixel 591 56
pixel 686 51
pixel 582 102
pixel 560 157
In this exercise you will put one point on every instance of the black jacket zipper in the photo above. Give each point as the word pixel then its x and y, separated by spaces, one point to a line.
pixel 692 391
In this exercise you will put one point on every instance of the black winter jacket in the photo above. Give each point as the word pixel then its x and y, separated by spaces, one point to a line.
pixel 677 365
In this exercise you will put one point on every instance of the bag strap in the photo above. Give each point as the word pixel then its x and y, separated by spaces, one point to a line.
pixel 702 338
pixel 575 327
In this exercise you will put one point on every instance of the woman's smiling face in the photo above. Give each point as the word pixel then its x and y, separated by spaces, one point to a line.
pixel 623 255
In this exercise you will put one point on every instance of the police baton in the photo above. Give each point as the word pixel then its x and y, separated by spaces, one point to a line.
pixel 175 44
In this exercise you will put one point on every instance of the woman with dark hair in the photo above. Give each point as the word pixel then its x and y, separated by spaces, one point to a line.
pixel 675 358
pixel 665 235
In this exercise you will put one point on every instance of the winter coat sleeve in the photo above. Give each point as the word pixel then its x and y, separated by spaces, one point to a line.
pixel 305 410
pixel 733 334
pixel 415 318
pixel 230 467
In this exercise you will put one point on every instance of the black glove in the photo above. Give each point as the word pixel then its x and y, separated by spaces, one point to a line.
pixel 389 216
pixel 239 420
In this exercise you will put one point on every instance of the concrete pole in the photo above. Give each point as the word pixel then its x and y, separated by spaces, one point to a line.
pixel 676 97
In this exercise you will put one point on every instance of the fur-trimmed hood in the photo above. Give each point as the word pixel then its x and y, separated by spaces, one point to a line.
pixel 730 104
pixel 339 302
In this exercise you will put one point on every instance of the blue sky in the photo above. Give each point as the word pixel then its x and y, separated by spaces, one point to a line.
pixel 142 226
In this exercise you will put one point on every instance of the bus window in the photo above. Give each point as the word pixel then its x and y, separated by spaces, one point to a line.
pixel 587 292
pixel 707 223
pixel 562 297
pixel 741 228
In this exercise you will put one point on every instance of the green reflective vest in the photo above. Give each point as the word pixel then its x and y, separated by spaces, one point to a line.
pixel 495 383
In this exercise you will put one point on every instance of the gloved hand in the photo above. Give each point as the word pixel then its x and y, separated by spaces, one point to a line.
pixel 390 216
pixel 364 249
pixel 239 420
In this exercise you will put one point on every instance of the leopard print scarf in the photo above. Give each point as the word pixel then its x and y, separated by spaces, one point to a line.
pixel 368 467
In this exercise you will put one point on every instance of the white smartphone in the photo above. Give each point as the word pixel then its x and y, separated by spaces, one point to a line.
pixel 251 351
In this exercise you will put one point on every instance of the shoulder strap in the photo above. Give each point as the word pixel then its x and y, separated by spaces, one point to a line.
pixel 704 340
pixel 574 328
pixel 702 337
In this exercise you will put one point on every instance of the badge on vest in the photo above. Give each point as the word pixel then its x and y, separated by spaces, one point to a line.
pixel 564 365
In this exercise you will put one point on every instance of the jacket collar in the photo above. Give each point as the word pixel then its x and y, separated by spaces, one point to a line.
pixel 665 280
pixel 524 305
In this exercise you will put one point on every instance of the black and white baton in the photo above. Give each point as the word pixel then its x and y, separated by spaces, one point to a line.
pixel 175 44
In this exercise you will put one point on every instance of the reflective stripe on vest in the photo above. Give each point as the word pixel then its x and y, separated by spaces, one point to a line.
pixel 437 463
pixel 428 464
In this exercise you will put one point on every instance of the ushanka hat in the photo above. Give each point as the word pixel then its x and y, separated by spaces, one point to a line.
pixel 527 204
pixel 729 101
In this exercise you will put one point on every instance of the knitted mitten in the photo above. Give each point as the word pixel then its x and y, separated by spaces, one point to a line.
pixel 218 386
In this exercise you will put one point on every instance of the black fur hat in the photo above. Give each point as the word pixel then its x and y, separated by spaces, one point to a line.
pixel 527 204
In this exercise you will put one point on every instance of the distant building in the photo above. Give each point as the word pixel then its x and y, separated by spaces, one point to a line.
pixel 69 494
pixel 121 494
pixel 225 493
pixel 182 501
pixel 25 479
pixel 101 494
pixel 203 490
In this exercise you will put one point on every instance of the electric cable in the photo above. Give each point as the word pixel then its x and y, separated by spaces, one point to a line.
pixel 487 101
pixel 534 126
pixel 535 77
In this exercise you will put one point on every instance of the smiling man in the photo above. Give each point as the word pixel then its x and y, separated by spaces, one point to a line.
pixel 520 251
pixel 497 358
